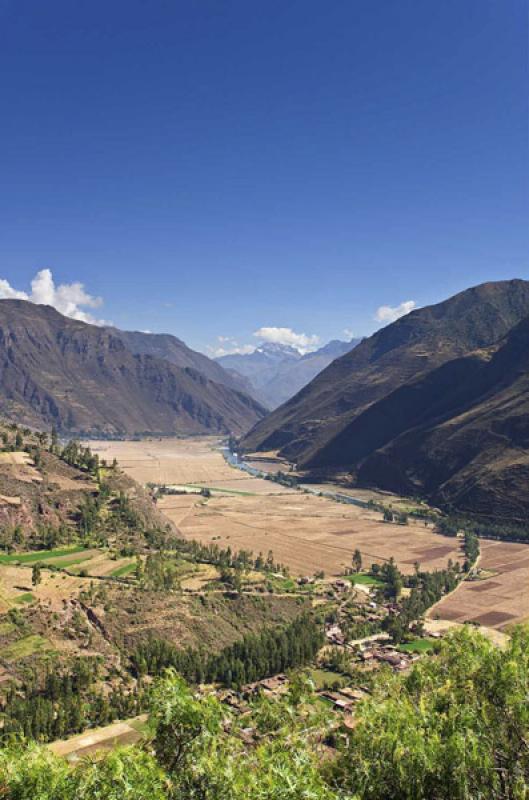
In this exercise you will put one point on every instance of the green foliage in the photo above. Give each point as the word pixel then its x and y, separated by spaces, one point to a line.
pixel 182 723
pixel 33 773
pixel 160 573
pixel 252 658
pixel 64 701
pixel 36 574
pixel 454 729
pixel 471 546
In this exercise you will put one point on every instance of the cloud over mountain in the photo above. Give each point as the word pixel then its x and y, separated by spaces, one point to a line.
pixel 66 298
pixel 387 314
pixel 286 336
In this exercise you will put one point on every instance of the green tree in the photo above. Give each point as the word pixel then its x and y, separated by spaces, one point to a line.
pixel 357 560
pixel 182 724
pixel 455 728
pixel 36 574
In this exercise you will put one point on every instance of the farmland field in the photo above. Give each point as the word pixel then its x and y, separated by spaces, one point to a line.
pixel 501 599
pixel 310 533
pixel 305 532
pixel 192 462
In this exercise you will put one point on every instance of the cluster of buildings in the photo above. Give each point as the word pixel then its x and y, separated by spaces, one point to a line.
pixel 344 699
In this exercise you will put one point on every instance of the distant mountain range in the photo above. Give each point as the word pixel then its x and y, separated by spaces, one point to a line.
pixel 434 404
pixel 276 372
pixel 91 380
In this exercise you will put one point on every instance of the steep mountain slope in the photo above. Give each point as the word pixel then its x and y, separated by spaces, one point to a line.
pixel 395 355
pixel 459 435
pixel 84 380
pixel 277 372
pixel 170 348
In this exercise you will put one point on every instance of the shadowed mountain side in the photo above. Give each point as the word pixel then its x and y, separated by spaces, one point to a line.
pixel 459 436
pixel 171 348
pixel 84 380
pixel 394 356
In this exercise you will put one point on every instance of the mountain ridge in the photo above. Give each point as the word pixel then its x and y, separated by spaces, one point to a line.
pixel 470 449
pixel 400 352
pixel 83 379
pixel 277 372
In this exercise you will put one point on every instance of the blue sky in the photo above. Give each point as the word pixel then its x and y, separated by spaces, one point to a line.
pixel 211 168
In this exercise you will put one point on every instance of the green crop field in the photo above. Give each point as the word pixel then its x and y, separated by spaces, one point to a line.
pixel 39 555
pixel 6 627
pixel 418 646
pixel 366 580
pixel 26 647
pixel 64 563
pixel 324 677
pixel 124 570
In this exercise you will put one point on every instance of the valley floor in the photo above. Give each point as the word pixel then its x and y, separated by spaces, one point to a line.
pixel 309 533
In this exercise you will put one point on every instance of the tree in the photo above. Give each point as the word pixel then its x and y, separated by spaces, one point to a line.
pixel 19 441
pixel 357 560
pixel 36 574
pixel 388 515
pixel 181 723
pixel 455 728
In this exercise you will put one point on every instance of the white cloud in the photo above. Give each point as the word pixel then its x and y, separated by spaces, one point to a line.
pixel 67 298
pixel 349 333
pixel 300 341
pixel 387 314
pixel 229 347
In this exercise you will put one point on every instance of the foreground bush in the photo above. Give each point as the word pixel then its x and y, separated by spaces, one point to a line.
pixel 455 728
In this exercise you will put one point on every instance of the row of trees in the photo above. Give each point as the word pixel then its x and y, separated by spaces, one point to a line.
pixel 224 557
pixel 451 524
pixel 428 588
pixel 255 657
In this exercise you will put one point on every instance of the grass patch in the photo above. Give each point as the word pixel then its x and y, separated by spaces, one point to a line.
pixel 365 579
pixel 39 555
pixel 281 584
pixel 324 677
pixel 140 725
pixel 27 597
pixel 124 570
pixel 6 628
pixel 63 563
pixel 26 647
pixel 418 646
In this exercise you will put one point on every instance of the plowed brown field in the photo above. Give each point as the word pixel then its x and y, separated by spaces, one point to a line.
pixel 498 601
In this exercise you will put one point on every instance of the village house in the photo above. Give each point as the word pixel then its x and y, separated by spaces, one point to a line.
pixel 334 635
